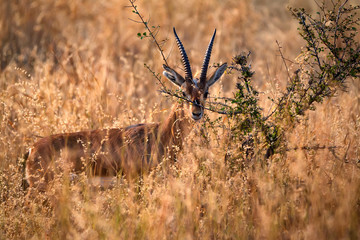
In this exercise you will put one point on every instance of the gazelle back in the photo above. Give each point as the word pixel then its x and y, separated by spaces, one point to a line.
pixel 129 150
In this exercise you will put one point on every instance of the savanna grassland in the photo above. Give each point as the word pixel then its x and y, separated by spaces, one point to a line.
pixel 70 65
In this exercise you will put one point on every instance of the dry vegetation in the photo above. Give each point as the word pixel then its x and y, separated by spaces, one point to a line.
pixel 76 65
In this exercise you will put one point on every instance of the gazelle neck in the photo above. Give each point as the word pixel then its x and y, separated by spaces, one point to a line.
pixel 176 127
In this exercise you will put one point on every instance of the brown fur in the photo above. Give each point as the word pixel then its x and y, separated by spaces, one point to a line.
pixel 106 152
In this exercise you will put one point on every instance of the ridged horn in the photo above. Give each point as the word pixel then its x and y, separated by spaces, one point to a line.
pixel 184 58
pixel 205 65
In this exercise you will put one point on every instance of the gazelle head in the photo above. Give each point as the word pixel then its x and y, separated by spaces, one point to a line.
pixel 195 90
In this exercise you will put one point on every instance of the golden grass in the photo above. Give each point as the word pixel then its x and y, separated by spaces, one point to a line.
pixel 77 65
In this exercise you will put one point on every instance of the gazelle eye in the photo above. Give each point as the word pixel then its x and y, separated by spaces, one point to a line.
pixel 184 94
pixel 206 94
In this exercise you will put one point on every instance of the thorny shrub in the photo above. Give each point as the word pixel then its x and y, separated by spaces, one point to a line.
pixel 330 56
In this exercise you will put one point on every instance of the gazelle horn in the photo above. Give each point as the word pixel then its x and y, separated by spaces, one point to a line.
pixel 205 65
pixel 184 58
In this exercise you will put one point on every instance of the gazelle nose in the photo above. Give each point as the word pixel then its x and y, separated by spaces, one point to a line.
pixel 196 115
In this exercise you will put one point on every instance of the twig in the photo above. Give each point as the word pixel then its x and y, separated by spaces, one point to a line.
pixel 337 20
pixel 283 59
pixel 316 147
pixel 148 29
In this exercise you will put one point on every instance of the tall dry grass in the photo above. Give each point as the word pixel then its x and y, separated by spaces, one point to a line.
pixel 77 65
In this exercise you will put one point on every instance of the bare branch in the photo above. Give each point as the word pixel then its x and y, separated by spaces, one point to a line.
pixel 145 23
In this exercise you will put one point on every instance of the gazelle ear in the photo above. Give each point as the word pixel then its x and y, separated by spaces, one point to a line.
pixel 216 75
pixel 173 76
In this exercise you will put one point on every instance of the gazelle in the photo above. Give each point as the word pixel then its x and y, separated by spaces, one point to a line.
pixel 129 150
